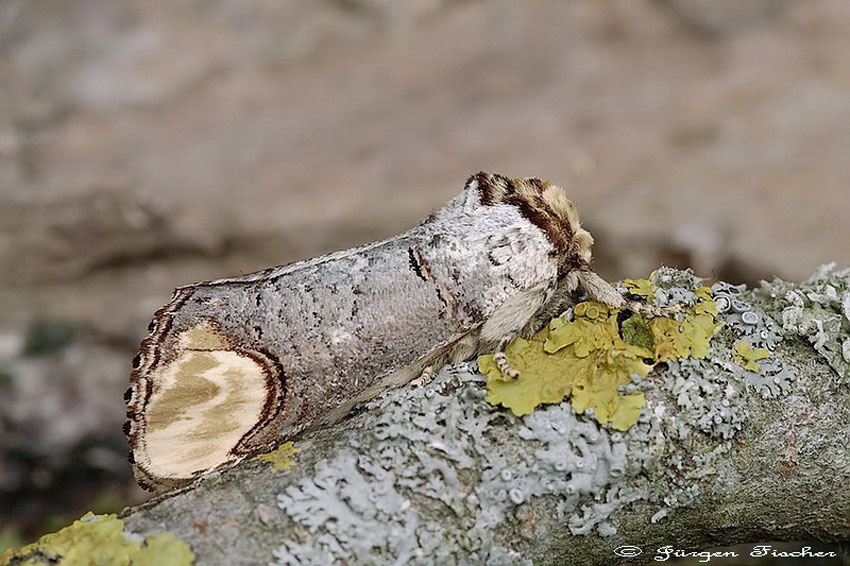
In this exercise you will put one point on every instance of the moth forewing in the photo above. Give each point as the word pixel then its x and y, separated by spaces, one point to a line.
pixel 233 367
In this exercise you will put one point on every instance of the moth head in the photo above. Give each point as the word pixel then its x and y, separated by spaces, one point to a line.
pixel 544 204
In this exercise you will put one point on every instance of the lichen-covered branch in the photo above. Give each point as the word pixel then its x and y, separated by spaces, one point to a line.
pixel 748 443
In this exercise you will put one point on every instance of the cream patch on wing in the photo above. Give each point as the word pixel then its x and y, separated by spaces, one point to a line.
pixel 202 405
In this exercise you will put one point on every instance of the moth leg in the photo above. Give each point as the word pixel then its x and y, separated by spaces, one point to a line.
pixel 425 378
pixel 502 361
pixel 601 291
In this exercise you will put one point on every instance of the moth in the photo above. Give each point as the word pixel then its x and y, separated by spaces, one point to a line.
pixel 233 367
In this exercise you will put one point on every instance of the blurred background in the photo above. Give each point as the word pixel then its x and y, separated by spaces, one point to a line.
pixel 146 144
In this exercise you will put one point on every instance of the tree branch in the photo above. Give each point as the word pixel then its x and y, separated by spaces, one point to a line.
pixel 435 475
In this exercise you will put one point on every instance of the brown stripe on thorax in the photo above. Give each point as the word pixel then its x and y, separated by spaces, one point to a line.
pixel 535 210
pixel 556 218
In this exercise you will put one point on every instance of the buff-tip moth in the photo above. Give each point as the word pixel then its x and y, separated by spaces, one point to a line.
pixel 234 367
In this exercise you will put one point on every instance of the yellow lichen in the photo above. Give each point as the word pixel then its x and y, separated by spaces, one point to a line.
pixel 96 540
pixel 640 287
pixel 748 358
pixel 588 358
pixel 280 458
pixel 690 337
pixel 541 377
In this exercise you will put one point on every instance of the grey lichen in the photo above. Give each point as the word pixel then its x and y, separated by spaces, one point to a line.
pixel 360 503
pixel 748 322
pixel 818 310
pixel 440 450
pixel 708 401
pixel 371 513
